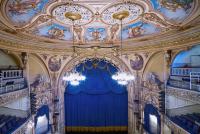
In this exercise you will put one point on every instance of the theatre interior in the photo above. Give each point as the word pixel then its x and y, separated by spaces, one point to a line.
pixel 99 66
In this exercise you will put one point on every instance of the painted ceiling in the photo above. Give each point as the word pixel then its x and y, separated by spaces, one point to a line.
pixel 45 19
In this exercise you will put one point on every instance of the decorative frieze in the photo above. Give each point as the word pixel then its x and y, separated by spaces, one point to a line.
pixel 12 96
pixel 183 93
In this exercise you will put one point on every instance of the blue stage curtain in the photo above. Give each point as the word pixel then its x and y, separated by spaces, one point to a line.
pixel 150 109
pixel 43 110
pixel 98 101
pixel 96 110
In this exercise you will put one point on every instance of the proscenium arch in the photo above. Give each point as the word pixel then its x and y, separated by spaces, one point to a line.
pixel 70 65
pixel 75 61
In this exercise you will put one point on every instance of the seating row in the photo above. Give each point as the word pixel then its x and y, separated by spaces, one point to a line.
pixel 189 122
pixel 10 123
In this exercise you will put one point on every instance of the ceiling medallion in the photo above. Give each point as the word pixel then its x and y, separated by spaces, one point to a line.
pixel 132 11
pixel 73 16
pixel 65 14
pixel 121 15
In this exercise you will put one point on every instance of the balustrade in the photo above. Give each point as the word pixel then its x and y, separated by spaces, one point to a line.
pixel 11 80
pixel 185 78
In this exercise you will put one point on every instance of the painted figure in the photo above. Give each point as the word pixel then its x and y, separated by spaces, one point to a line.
pixel 78 30
pixel 96 35
pixel 135 31
pixel 56 33
pixel 113 31
pixel 21 6
pixel 54 63
pixel 137 62
pixel 175 4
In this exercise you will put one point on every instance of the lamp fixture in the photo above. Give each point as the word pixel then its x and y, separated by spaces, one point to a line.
pixel 73 77
pixel 122 77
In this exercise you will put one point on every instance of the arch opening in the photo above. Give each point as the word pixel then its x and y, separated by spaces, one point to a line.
pixel 152 121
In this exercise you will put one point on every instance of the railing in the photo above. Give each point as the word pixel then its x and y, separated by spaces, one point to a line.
pixel 184 85
pixel 194 77
pixel 11 74
pixel 183 71
pixel 12 88
pixel 11 80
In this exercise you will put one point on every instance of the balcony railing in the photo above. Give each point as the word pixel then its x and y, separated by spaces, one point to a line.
pixel 184 85
pixel 183 71
pixel 12 88
pixel 11 80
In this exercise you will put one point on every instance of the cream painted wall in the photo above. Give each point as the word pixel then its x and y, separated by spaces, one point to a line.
pixel 156 65
pixel 36 67
pixel 6 60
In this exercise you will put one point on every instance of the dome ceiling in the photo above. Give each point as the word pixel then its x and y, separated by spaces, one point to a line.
pixel 45 19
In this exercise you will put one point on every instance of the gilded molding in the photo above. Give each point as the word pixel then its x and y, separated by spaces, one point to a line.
pixel 181 39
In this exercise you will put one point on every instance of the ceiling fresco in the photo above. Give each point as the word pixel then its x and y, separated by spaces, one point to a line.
pixel 46 18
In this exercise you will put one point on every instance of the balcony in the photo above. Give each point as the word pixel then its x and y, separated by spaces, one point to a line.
pixel 184 85
pixel 11 80
pixel 12 96
pixel 185 78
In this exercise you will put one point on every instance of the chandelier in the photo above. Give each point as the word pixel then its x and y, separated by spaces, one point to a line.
pixel 73 77
pixel 122 77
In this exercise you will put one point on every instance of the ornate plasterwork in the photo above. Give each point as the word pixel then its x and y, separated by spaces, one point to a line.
pixel 183 93
pixel 12 96
pixel 41 87
pixel 70 65
pixel 134 10
pixel 59 14
pixel 45 20
pixel 186 38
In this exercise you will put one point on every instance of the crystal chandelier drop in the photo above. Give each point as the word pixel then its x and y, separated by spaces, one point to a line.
pixel 122 77
pixel 73 77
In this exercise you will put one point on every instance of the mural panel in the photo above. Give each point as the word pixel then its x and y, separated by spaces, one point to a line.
pixel 55 63
pixel 54 31
pixel 139 29
pixel 20 12
pixel 137 62
pixel 173 10
pixel 95 34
